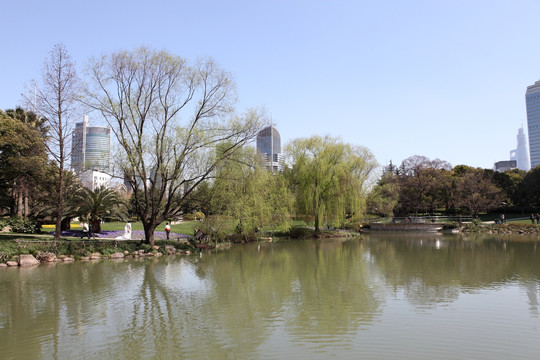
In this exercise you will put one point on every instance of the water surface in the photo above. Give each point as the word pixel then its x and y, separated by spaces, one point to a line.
pixel 383 296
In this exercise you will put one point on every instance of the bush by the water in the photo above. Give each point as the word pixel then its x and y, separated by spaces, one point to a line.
pixel 299 232
pixel 20 225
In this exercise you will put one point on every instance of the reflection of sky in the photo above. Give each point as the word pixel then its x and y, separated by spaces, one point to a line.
pixel 181 276
pixel 144 302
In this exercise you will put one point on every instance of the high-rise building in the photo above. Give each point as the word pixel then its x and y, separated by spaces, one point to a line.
pixel 520 155
pixel 532 100
pixel 90 148
pixel 269 145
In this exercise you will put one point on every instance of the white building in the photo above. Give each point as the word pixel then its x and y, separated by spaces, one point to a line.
pixel 521 155
pixel 92 179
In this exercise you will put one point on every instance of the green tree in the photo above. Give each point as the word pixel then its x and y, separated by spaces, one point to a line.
pixel 384 197
pixel 253 197
pixel 530 187
pixel 422 184
pixel 45 203
pixel 168 117
pixel 477 191
pixel 100 204
pixel 22 157
pixel 329 178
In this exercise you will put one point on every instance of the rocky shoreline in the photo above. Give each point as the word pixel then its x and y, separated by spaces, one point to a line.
pixel 48 257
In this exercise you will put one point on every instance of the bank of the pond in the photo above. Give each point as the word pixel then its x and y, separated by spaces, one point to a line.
pixel 486 228
pixel 28 251
pixel 508 228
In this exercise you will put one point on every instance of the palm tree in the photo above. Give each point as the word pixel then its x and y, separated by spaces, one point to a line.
pixel 99 204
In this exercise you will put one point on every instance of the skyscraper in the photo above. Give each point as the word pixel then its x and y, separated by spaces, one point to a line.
pixel 90 148
pixel 269 145
pixel 532 100
pixel 520 155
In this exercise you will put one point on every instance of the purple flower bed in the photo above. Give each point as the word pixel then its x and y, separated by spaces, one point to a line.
pixel 135 235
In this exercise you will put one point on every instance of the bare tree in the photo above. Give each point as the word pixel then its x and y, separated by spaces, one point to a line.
pixel 169 118
pixel 56 101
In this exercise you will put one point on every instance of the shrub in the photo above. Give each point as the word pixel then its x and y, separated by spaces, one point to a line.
pixel 299 232
pixel 19 225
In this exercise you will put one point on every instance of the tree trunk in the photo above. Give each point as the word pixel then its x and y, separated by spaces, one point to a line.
pixel 19 197
pixel 59 209
pixel 96 226
pixel 149 232
pixel 26 208
pixel 317 223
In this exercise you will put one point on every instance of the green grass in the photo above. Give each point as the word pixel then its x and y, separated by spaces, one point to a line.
pixel 185 227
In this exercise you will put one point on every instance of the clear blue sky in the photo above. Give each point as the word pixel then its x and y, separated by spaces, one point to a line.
pixel 443 79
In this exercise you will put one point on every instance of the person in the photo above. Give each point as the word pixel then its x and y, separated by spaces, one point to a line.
pixel 167 230
pixel 127 233
pixel 537 218
pixel 86 230
pixel 532 218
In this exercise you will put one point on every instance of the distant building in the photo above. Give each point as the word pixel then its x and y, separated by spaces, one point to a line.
pixel 90 148
pixel 269 146
pixel 532 100
pixel 502 166
pixel 94 179
pixel 520 155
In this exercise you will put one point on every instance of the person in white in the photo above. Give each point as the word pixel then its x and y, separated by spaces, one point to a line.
pixel 127 232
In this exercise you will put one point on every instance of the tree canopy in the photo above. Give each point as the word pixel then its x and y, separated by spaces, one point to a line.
pixel 168 116
pixel 329 178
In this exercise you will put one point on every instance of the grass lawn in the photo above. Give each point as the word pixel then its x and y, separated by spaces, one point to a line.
pixel 185 227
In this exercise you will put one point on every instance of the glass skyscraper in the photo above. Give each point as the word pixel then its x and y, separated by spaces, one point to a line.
pixel 269 145
pixel 532 99
pixel 90 148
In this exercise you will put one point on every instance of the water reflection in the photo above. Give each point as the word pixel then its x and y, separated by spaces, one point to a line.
pixel 302 299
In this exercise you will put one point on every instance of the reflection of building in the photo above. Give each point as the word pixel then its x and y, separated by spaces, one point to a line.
pixel 532 100
pixel 520 154
pixel 90 148
pixel 269 145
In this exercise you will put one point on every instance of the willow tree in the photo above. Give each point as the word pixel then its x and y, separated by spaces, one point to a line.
pixel 329 178
pixel 168 117
pixel 253 197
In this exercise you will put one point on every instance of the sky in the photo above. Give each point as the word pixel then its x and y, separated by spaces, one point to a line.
pixel 443 79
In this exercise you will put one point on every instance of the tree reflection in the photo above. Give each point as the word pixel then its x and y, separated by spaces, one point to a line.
pixel 436 269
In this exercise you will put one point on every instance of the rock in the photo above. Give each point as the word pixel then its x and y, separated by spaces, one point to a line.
pixel 61 257
pixel 3 265
pixel 85 258
pixel 95 256
pixel 117 255
pixel 158 254
pixel 12 263
pixel 171 250
pixel 68 259
pixel 156 247
pixel 48 257
pixel 6 229
pixel 188 252
pixel 149 254
pixel 126 252
pixel 28 260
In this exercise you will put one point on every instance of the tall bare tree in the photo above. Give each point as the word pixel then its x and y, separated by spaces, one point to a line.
pixel 56 101
pixel 169 117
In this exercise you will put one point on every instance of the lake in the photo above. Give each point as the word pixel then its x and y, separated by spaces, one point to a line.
pixel 381 296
